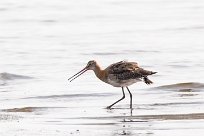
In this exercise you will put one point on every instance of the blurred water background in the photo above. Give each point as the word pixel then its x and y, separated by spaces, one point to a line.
pixel 43 42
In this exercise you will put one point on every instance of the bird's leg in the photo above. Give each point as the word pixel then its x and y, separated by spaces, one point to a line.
pixel 109 107
pixel 130 97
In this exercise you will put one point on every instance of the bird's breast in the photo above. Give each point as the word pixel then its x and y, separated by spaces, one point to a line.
pixel 122 83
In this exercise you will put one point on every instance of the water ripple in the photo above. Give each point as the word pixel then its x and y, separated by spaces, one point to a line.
pixel 182 86
pixel 70 96
pixel 9 76
pixel 187 116
pixel 121 52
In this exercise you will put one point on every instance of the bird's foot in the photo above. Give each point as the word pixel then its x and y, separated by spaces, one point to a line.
pixel 108 107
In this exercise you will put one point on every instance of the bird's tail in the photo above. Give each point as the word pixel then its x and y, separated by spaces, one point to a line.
pixel 147 81
pixel 146 73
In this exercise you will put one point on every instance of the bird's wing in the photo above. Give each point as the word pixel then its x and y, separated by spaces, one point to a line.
pixel 127 70
pixel 122 66
pixel 124 70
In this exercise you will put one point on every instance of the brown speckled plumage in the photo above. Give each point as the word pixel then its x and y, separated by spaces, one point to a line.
pixel 121 74
pixel 124 70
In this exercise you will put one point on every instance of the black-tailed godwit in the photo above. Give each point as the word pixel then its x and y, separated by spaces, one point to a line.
pixel 121 74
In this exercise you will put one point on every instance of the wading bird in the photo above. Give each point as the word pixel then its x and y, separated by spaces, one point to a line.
pixel 121 74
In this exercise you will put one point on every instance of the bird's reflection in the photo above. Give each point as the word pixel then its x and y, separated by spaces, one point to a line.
pixel 128 125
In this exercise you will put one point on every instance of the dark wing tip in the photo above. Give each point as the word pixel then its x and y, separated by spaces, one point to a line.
pixel 153 72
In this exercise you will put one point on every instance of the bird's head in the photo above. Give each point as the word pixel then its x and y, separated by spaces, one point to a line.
pixel 91 65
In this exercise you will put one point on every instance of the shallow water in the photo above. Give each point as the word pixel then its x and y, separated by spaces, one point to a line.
pixel 43 43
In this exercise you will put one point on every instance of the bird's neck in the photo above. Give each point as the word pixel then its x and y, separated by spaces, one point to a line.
pixel 101 74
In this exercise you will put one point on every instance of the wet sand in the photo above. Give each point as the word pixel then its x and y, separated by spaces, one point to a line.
pixel 155 118
pixel 103 125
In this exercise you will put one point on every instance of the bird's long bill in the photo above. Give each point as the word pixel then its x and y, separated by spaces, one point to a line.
pixel 77 74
